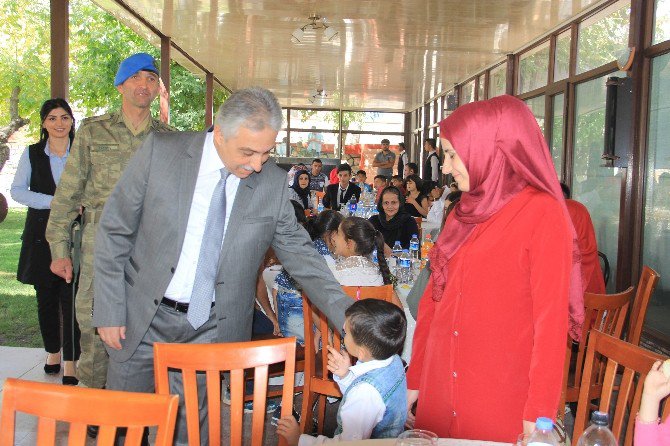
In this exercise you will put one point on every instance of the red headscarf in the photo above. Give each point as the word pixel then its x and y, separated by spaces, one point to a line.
pixel 504 151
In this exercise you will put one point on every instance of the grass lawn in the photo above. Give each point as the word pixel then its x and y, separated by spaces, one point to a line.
pixel 18 306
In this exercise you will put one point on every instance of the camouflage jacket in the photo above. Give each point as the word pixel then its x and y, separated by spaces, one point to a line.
pixel 101 150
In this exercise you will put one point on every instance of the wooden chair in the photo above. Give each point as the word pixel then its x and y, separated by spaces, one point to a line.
pixel 604 312
pixel 319 196
pixel 317 377
pixel 234 357
pixel 645 288
pixel 82 407
pixel 419 221
pixel 636 363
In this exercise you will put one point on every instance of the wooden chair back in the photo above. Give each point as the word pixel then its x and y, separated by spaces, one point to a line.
pixel 645 288
pixel 235 357
pixel 603 312
pixel 419 221
pixel 636 363
pixel 317 378
pixel 82 407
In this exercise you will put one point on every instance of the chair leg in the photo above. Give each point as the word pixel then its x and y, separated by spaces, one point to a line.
pixel 306 413
pixel 321 414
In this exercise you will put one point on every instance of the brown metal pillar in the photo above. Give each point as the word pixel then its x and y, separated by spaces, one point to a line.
pixel 209 98
pixel 165 78
pixel 60 48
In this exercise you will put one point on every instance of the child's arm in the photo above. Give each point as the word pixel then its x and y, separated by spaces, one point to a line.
pixel 656 387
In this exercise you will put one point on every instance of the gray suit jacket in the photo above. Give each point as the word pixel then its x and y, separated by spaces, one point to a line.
pixel 141 232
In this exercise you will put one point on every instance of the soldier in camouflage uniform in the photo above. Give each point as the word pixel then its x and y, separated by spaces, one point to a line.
pixel 101 149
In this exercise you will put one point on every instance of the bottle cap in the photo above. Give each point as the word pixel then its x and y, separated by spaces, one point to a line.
pixel 600 418
pixel 397 242
pixel 544 423
pixel 405 250
pixel 413 235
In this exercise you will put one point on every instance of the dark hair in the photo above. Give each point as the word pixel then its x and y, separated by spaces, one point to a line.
pixel 317 160
pixel 416 179
pixel 326 221
pixel 301 164
pixel 367 238
pixel 52 104
pixel 428 187
pixel 401 144
pixel 431 142
pixel 299 212
pixel 566 190
pixel 381 177
pixel 454 196
pixel 412 166
pixel 362 172
pixel 378 326
pixel 396 177
pixel 344 167
pixel 386 141
pixel 452 205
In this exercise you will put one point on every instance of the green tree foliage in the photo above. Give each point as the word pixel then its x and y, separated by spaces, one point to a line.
pixel 98 43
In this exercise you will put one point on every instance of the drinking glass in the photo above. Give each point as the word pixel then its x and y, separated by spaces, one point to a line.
pixel 417 437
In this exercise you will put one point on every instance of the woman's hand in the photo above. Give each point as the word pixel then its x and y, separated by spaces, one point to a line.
pixel 528 427
pixel 338 362
pixel 656 387
pixel 412 397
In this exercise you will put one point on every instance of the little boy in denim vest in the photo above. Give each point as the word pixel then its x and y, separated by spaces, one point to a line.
pixel 374 401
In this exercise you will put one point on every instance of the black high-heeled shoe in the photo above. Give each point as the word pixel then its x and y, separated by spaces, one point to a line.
pixel 70 380
pixel 51 369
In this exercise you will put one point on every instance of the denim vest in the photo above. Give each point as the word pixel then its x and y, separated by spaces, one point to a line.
pixel 391 384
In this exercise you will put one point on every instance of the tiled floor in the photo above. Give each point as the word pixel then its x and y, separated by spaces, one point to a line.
pixel 27 363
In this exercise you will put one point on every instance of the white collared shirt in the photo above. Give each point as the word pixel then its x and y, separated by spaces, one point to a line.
pixel 209 174
pixel 363 409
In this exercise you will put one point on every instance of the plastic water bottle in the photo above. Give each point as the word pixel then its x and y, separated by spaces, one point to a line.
pixel 598 433
pixel 405 267
pixel 543 434
pixel 414 246
pixel 375 260
pixel 352 205
pixel 319 207
pixel 397 250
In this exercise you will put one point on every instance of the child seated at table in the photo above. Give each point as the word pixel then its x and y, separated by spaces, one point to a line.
pixel 649 431
pixel 374 402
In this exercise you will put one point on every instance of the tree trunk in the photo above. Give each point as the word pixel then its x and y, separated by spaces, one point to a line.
pixel 15 123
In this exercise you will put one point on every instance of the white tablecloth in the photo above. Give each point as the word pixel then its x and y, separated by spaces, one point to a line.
pixel 402 291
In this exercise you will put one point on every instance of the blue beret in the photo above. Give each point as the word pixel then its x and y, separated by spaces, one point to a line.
pixel 133 64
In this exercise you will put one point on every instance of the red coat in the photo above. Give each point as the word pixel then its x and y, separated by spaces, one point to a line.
pixel 490 353
pixel 592 274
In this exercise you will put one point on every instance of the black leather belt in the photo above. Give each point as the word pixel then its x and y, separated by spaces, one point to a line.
pixel 179 306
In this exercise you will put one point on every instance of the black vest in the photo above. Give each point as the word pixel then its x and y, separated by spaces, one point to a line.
pixel 427 168
pixel 35 257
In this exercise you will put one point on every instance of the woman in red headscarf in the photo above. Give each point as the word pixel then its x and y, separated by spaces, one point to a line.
pixel 505 289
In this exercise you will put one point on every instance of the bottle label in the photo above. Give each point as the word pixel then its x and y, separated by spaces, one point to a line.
pixel 414 246
pixel 405 263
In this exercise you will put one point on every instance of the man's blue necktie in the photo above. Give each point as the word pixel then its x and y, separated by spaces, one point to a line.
pixel 208 260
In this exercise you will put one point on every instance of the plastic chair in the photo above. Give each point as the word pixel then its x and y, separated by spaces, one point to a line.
pixel 82 407
pixel 317 377
pixel 645 288
pixel 604 312
pixel 636 363
pixel 234 357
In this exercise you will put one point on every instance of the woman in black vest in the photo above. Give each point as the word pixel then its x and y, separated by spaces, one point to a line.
pixel 34 185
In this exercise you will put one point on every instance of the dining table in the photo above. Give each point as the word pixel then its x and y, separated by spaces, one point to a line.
pixel 440 442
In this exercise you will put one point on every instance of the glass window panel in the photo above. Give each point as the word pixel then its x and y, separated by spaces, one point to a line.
pixel 656 246
pixel 603 37
pixel 498 80
pixel 306 144
pixel 281 145
pixel 284 119
pixel 557 129
pixel 534 68
pixel 373 121
pixel 365 146
pixel 319 119
pixel 421 120
pixel 468 92
pixel 562 56
pixel 536 105
pixel 598 188
pixel 440 106
pixel 661 21
pixel 431 112
pixel 480 88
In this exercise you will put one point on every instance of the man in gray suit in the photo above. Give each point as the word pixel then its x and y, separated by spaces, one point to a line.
pixel 158 278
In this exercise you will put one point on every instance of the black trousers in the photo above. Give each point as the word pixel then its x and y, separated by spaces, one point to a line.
pixel 53 303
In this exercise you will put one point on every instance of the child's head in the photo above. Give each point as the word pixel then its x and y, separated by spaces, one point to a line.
pixel 361 176
pixel 376 326
pixel 357 237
